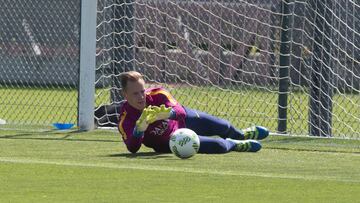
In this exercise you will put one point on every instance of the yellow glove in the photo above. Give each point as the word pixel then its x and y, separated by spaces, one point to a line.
pixel 159 113
pixel 143 122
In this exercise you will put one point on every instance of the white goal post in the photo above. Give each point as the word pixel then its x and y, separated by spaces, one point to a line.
pixel 87 65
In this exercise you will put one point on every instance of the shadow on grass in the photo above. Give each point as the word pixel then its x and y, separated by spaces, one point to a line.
pixel 142 155
pixel 68 136
pixel 314 144
pixel 283 139
pixel 314 150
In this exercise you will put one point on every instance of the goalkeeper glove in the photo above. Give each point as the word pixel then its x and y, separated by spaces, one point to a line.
pixel 159 113
pixel 143 122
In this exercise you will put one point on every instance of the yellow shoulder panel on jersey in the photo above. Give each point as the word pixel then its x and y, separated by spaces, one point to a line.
pixel 163 92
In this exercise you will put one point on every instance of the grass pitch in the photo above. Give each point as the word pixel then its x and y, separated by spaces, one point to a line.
pixel 56 166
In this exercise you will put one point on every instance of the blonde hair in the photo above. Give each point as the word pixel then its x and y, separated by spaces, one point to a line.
pixel 129 76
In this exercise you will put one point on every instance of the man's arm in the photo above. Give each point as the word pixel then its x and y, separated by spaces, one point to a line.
pixel 126 128
pixel 133 132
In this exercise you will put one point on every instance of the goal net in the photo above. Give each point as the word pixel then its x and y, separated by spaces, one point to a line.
pixel 292 66
pixel 237 59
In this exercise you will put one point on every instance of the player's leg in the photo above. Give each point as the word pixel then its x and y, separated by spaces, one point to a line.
pixel 209 145
pixel 245 145
pixel 255 132
pixel 208 125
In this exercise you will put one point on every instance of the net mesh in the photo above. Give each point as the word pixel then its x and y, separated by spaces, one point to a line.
pixel 39 61
pixel 222 57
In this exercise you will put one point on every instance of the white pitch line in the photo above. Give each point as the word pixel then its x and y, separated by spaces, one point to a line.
pixel 172 169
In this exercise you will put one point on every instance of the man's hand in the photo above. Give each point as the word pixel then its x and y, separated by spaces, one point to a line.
pixel 143 122
pixel 151 114
pixel 159 113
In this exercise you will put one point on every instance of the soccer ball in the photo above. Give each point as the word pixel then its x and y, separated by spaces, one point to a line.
pixel 184 143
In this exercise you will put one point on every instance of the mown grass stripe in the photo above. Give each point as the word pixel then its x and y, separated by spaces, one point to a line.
pixel 172 169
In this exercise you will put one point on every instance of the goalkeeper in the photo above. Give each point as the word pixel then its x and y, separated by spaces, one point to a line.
pixel 149 116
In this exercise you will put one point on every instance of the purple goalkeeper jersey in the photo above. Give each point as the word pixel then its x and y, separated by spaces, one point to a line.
pixel 157 135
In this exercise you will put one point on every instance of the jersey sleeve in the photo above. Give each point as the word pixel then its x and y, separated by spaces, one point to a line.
pixel 126 129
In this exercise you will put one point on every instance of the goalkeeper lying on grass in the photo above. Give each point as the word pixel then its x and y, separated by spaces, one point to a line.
pixel 149 116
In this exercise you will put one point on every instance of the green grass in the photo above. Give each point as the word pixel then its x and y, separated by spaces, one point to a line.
pixel 243 107
pixel 38 106
pixel 57 166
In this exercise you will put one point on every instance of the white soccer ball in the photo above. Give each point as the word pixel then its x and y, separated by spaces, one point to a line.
pixel 2 121
pixel 184 143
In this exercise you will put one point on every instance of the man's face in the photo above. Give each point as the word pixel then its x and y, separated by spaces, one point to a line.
pixel 135 94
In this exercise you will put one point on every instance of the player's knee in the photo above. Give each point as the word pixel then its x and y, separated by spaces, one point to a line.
pixel 213 146
pixel 221 147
